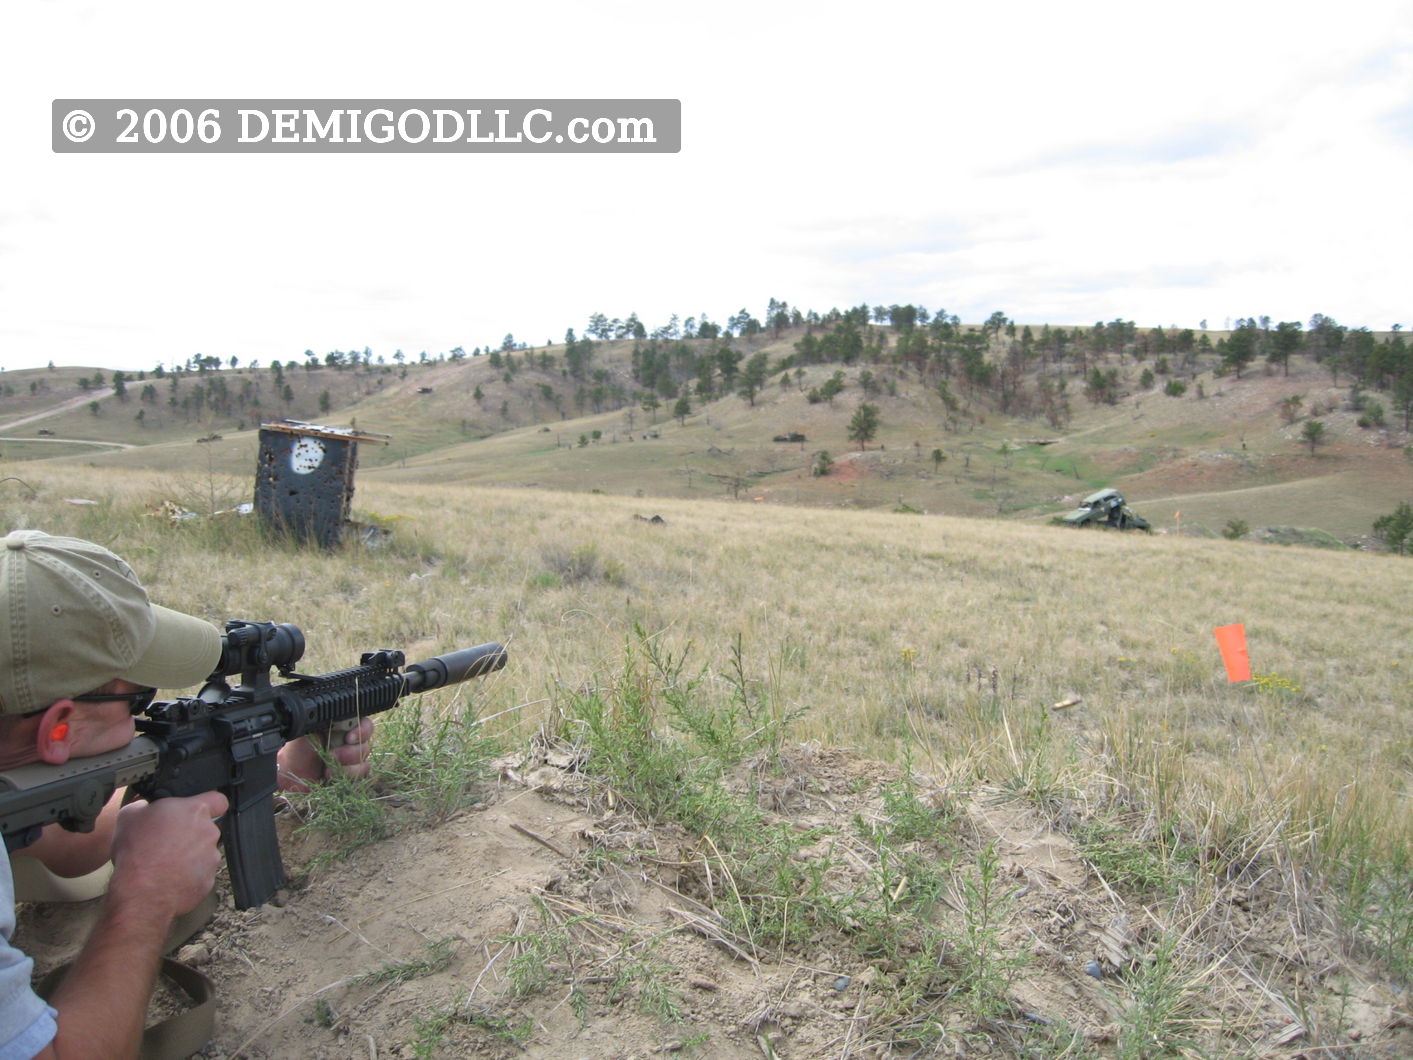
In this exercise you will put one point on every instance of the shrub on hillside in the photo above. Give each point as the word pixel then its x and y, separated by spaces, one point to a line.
pixel 1396 529
pixel 1236 529
pixel 1372 416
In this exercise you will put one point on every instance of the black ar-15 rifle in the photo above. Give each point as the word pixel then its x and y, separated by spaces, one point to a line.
pixel 226 739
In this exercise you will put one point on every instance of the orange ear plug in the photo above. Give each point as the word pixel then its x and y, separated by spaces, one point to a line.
pixel 60 732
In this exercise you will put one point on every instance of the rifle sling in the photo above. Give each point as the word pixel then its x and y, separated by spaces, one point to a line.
pixel 177 1036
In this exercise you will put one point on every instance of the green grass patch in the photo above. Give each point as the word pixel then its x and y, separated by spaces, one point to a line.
pixel 1128 861
pixel 1304 536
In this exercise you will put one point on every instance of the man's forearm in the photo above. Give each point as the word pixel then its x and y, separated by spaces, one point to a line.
pixel 164 859
pixel 71 854
pixel 102 1002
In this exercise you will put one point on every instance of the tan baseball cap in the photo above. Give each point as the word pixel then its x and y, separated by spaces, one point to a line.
pixel 73 617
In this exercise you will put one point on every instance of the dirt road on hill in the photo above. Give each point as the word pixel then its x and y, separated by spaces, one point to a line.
pixel 63 406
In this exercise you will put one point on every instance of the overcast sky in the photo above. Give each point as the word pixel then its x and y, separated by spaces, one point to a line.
pixel 1063 163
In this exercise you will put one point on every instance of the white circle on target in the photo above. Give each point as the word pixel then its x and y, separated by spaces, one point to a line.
pixel 306 456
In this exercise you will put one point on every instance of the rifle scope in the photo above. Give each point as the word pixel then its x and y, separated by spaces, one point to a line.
pixel 258 645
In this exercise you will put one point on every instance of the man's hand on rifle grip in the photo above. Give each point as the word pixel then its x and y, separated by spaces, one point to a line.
pixel 301 762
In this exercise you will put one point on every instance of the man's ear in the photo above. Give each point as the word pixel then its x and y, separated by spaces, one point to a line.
pixel 54 740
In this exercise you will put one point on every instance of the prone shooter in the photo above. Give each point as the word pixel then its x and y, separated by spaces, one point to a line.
pixel 82 654
pixel 227 739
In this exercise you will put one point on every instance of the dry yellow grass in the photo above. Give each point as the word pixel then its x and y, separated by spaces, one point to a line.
pixel 946 639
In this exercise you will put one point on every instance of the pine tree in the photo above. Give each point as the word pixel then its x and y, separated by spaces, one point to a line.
pixel 864 425
pixel 1396 529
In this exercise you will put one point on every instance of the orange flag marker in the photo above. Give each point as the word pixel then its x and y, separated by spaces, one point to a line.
pixel 1231 642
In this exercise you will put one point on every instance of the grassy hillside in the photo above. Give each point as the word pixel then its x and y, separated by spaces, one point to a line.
pixel 1233 859
pixel 1221 451
pixel 886 612
pixel 1072 675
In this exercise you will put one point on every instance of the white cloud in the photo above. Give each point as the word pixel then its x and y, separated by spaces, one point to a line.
pixel 1060 162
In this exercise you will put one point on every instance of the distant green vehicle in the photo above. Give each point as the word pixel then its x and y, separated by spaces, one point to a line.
pixel 1106 509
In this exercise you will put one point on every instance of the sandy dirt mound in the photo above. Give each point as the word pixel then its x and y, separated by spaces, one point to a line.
pixel 548 921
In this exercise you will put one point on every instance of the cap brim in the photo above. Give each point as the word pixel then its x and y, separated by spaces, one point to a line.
pixel 184 650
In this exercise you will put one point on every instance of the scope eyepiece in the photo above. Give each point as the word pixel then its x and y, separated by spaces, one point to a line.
pixel 247 646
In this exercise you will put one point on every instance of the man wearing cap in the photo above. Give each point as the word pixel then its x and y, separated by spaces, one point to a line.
pixel 82 651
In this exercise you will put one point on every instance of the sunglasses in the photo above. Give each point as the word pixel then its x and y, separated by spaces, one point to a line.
pixel 137 701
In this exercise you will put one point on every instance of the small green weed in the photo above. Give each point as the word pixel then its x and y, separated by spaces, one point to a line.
pixel 643 975
pixel 986 966
pixel 324 1014
pixel 1126 861
pixel 437 957
pixel 347 810
pixel 435 761
pixel 431 1030
pixel 911 818
pixel 1377 903
pixel 1038 766
pixel 906 1013
pixel 749 721
pixel 542 955
pixel 1162 1018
